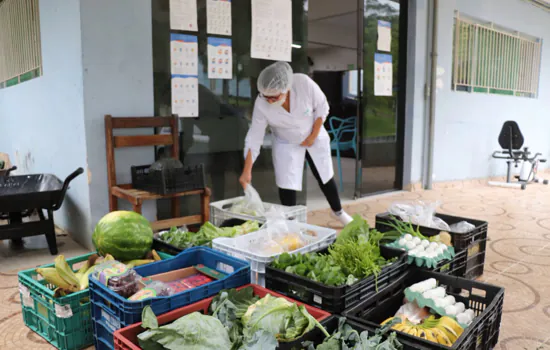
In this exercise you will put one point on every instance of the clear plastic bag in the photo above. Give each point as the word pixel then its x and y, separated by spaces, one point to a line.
pixel 153 290
pixel 251 204
pixel 419 213
pixel 413 312
pixel 462 227
pixel 118 277
pixel 282 232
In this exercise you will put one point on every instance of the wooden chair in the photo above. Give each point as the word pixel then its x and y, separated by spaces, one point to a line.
pixel 135 196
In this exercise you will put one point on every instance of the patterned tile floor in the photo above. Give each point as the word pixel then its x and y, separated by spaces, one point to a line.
pixel 518 258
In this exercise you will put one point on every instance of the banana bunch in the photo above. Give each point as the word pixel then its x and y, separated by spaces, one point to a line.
pixel 444 330
pixel 65 281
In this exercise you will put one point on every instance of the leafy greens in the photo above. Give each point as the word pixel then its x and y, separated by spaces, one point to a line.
pixel 354 255
pixel 184 239
pixel 236 320
pixel 193 332
pixel 347 338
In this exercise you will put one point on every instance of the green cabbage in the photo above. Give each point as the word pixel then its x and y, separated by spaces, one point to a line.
pixel 191 332
pixel 278 316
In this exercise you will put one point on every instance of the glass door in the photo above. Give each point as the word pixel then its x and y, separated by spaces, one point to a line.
pixel 381 112
pixel 216 137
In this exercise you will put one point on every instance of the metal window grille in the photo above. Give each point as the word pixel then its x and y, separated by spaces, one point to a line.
pixel 20 50
pixel 491 59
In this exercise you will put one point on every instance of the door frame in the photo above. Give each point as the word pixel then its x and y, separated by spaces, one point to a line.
pixel 401 98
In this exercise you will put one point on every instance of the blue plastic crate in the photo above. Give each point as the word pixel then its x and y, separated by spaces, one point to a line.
pixel 110 311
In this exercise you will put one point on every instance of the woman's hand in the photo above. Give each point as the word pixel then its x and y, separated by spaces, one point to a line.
pixel 309 141
pixel 245 179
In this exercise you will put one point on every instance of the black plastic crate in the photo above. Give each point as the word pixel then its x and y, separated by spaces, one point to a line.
pixel 173 180
pixel 468 265
pixel 336 299
pixel 485 299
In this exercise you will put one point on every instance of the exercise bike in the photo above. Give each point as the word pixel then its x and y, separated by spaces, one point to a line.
pixel 511 140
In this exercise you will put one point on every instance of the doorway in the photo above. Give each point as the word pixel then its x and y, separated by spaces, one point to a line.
pixel 366 126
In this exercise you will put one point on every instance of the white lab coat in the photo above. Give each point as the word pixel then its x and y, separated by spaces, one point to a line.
pixel 307 103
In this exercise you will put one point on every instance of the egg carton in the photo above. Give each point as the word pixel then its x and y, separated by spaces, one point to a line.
pixel 431 262
pixel 423 301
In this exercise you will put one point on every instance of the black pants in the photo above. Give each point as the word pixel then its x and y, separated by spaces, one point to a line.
pixel 330 190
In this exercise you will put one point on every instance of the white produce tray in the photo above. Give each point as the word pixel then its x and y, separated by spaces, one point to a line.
pixel 237 247
pixel 221 211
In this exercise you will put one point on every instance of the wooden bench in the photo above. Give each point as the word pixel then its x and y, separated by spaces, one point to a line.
pixel 136 197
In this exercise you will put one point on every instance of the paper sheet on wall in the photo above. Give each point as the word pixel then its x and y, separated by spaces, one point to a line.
pixel 185 96
pixel 218 17
pixel 220 58
pixel 383 75
pixel 183 15
pixel 272 30
pixel 184 54
pixel 384 36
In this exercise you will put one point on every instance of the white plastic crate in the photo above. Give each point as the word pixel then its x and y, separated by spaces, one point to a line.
pixel 221 211
pixel 237 247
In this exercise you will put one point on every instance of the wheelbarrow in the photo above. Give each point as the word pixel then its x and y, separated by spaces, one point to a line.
pixel 23 195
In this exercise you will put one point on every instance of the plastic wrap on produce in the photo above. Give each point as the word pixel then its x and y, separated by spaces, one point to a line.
pixel 251 204
pixel 118 277
pixel 462 227
pixel 281 235
pixel 419 213
pixel 153 290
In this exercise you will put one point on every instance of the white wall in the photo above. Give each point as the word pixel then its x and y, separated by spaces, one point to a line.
pixel 42 120
pixel 118 80
pixel 467 124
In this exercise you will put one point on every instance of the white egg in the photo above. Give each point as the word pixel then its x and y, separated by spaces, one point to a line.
pixel 402 242
pixel 425 243
pixel 423 286
pixel 416 240
pixel 443 246
pixel 440 302
pixel 438 251
pixel 450 300
pixel 434 245
pixel 429 249
pixel 463 318
pixel 439 292
pixel 459 307
pixel 420 248
pixel 408 237
pixel 470 313
pixel 450 310
pixel 428 294
pixel 410 245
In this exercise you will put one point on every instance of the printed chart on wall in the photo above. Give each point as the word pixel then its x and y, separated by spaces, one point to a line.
pixel 185 81
pixel 183 15
pixel 184 54
pixel 272 30
pixel 384 36
pixel 383 75
pixel 220 58
pixel 218 17
pixel 185 95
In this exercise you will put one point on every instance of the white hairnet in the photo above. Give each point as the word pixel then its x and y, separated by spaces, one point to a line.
pixel 275 79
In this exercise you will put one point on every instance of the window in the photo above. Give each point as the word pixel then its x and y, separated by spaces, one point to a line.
pixel 351 89
pixel 490 59
pixel 20 51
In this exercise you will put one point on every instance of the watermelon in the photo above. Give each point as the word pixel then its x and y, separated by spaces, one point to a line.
pixel 125 235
